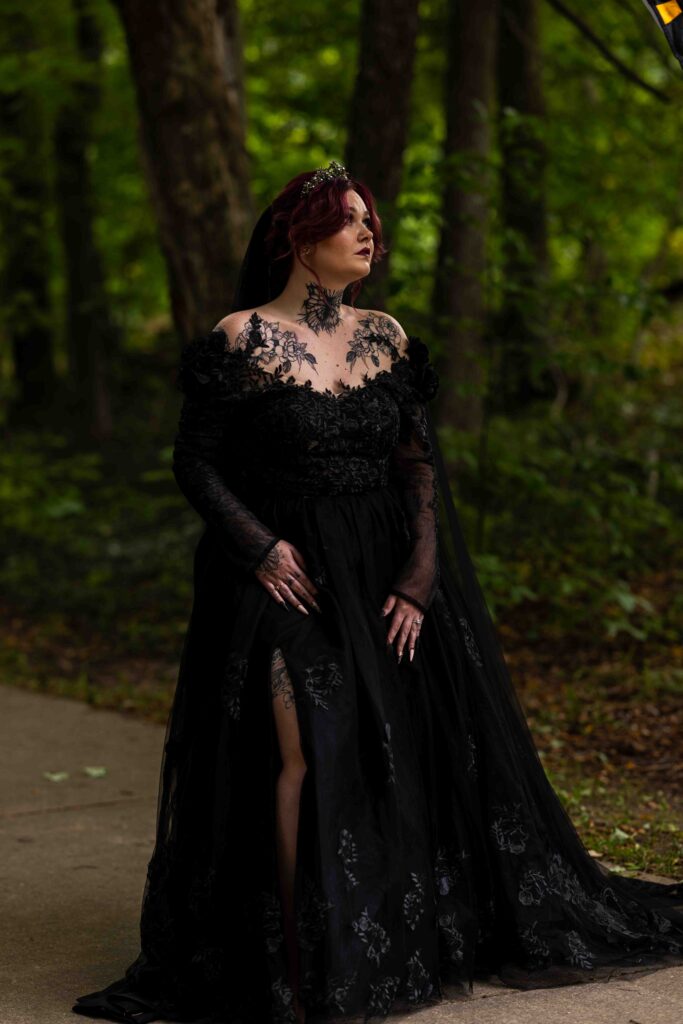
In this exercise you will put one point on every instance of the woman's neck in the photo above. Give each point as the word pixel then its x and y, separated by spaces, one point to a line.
pixel 307 302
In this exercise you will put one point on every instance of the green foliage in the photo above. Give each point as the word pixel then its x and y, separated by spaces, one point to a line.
pixel 48 68
pixel 77 540
pixel 648 836
pixel 580 507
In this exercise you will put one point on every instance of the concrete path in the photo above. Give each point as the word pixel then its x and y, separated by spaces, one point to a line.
pixel 74 853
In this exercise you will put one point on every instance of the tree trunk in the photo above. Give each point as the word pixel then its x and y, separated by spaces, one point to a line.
pixel 378 123
pixel 193 147
pixel 27 316
pixel 230 56
pixel 459 289
pixel 90 330
pixel 521 321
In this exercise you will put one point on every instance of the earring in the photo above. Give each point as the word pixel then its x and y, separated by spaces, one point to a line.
pixel 306 251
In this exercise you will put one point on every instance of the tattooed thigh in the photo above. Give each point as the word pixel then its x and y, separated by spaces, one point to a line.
pixel 280 680
pixel 284 711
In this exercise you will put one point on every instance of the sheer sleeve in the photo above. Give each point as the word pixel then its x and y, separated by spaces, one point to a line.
pixel 203 453
pixel 413 473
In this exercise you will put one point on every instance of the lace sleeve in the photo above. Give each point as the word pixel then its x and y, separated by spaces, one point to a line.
pixel 413 472
pixel 202 453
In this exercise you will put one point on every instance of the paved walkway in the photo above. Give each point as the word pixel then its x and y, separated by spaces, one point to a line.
pixel 74 853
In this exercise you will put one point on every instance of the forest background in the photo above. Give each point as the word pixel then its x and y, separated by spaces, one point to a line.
pixel 527 159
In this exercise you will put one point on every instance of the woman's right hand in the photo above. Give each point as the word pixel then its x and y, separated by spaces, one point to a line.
pixel 283 573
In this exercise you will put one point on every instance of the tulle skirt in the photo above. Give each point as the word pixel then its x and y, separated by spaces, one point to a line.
pixel 431 848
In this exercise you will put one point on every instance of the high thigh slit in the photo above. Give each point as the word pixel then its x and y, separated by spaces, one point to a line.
pixel 293 765
pixel 431 848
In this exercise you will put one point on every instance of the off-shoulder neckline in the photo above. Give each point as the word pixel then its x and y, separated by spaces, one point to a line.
pixel 307 386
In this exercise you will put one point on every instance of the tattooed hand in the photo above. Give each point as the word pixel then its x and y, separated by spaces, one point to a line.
pixel 283 573
pixel 406 623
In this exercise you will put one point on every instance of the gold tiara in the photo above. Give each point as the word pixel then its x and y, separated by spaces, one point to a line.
pixel 333 170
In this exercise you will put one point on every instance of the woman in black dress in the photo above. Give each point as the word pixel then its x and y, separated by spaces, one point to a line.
pixel 352 814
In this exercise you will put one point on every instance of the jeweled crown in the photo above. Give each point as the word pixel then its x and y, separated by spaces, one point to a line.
pixel 333 170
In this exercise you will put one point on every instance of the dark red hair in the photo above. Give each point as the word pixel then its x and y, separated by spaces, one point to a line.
pixel 304 220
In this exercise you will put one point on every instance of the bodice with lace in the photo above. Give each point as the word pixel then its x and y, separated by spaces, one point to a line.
pixel 245 430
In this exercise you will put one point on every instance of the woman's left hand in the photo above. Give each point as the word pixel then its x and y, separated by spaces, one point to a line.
pixel 405 624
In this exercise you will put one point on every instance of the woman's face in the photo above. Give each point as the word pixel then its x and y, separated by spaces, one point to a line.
pixel 347 255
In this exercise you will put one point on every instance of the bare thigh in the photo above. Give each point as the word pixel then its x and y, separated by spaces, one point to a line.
pixel 284 710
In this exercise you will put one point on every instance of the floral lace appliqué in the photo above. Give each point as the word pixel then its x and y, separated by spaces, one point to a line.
pixel 271 912
pixel 418 984
pixel 233 683
pixel 348 851
pixel 446 870
pixel 413 901
pixel 389 752
pixel 508 830
pixel 382 994
pixel 311 920
pixel 471 765
pixel 283 1002
pixel 322 679
pixel 470 642
pixel 372 935
pixel 537 947
pixel 453 937
pixel 337 991
pixel 579 953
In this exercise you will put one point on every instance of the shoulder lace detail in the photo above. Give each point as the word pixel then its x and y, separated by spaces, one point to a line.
pixel 200 361
pixel 208 361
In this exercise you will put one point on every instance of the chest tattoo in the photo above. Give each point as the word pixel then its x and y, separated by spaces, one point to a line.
pixel 265 343
pixel 274 349
pixel 375 333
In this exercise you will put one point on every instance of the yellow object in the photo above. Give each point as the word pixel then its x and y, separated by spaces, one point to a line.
pixel 668 11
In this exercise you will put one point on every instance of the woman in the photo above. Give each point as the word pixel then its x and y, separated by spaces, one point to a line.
pixel 352 813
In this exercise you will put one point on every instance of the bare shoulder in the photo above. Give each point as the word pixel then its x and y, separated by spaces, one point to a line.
pixel 385 325
pixel 234 324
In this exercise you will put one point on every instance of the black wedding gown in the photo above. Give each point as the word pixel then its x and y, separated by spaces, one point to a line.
pixel 431 847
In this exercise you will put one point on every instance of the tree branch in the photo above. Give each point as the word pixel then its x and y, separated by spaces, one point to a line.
pixel 606 52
